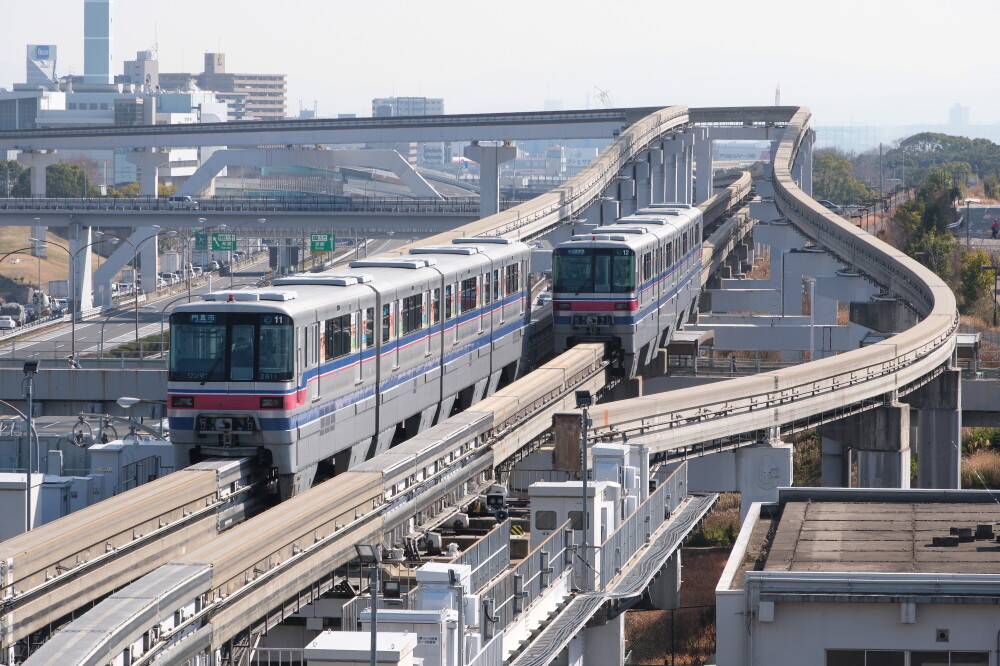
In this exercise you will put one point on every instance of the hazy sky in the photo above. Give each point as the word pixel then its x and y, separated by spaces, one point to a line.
pixel 861 61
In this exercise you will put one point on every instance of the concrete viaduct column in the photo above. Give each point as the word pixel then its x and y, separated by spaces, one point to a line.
pixel 148 162
pixel 657 174
pixel 805 162
pixel 626 191
pixel 880 438
pixel 489 159
pixel 38 161
pixel 688 176
pixel 80 265
pixel 939 431
pixel 123 254
pixel 672 150
pixel 643 184
pixel 703 157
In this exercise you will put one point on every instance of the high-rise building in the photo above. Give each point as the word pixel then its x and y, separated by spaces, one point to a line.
pixel 383 107
pixel 40 65
pixel 250 96
pixel 143 71
pixel 98 16
pixel 433 153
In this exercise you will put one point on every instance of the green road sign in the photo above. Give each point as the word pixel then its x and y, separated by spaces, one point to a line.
pixel 223 242
pixel 201 242
pixel 322 242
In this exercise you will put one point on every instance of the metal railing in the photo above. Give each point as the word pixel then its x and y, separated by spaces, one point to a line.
pixel 487 557
pixel 491 653
pixel 637 529
pixel 516 590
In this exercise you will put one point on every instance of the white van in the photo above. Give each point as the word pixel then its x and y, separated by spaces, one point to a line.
pixel 181 202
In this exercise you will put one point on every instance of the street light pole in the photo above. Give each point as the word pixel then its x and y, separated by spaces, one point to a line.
pixel 583 401
pixel 72 284
pixel 370 555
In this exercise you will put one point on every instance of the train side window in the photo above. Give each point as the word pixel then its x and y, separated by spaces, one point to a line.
pixel 669 254
pixel 684 240
pixel 413 313
pixel 469 294
pixel 449 302
pixel 487 288
pixel 659 260
pixel 497 286
pixel 647 266
pixel 369 328
pixel 512 279
pixel 435 305
pixel 386 322
pixel 337 337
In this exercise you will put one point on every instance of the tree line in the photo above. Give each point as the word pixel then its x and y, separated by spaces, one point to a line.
pixel 65 180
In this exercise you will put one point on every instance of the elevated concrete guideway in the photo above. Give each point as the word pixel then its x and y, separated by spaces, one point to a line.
pixel 596 124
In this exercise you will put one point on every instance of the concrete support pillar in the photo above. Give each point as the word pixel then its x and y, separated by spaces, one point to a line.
pixel 572 655
pixel 665 591
pixel 643 182
pixel 671 169
pixel 38 250
pixel 880 438
pixel 836 463
pixel 657 174
pixel 610 211
pixel 38 161
pixel 703 157
pixel 805 158
pixel 148 162
pixel 626 191
pixel 760 470
pixel 123 254
pixel 687 179
pixel 605 643
pixel 939 431
pixel 80 265
pixel 489 159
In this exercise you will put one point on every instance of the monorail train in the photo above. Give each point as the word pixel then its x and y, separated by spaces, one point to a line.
pixel 333 366
pixel 630 284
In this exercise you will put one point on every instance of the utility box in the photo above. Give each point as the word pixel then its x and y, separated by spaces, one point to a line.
pixel 349 648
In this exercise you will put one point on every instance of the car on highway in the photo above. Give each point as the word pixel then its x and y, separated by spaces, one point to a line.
pixel 181 202
pixel 832 206
pixel 7 323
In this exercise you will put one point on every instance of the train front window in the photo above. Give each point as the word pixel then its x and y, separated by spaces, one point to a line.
pixel 197 347
pixel 217 347
pixel 593 270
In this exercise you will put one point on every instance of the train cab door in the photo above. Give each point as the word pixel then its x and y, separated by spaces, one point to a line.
pixel 313 361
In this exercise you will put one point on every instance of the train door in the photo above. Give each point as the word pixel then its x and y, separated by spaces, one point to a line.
pixel 450 313
pixel 434 295
pixel 314 358
pixel 244 352
pixel 358 338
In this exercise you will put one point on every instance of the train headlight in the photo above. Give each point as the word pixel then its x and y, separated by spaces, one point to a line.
pixel 182 401
pixel 271 403
pixel 623 305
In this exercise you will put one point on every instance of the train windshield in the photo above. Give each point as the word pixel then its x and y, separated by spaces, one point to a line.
pixel 584 270
pixel 221 347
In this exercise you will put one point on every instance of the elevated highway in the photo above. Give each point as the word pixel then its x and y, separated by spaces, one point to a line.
pixel 598 124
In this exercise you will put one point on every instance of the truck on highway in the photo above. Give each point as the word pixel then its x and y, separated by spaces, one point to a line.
pixel 59 288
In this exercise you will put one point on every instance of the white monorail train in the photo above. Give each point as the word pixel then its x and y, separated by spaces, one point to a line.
pixel 630 284
pixel 331 367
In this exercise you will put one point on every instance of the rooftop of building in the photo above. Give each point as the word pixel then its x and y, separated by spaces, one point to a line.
pixel 877 531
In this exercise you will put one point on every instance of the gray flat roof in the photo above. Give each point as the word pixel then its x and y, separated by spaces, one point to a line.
pixel 882 537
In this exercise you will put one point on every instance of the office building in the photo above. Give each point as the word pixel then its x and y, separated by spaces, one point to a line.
pixel 250 96
pixel 433 154
pixel 98 16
